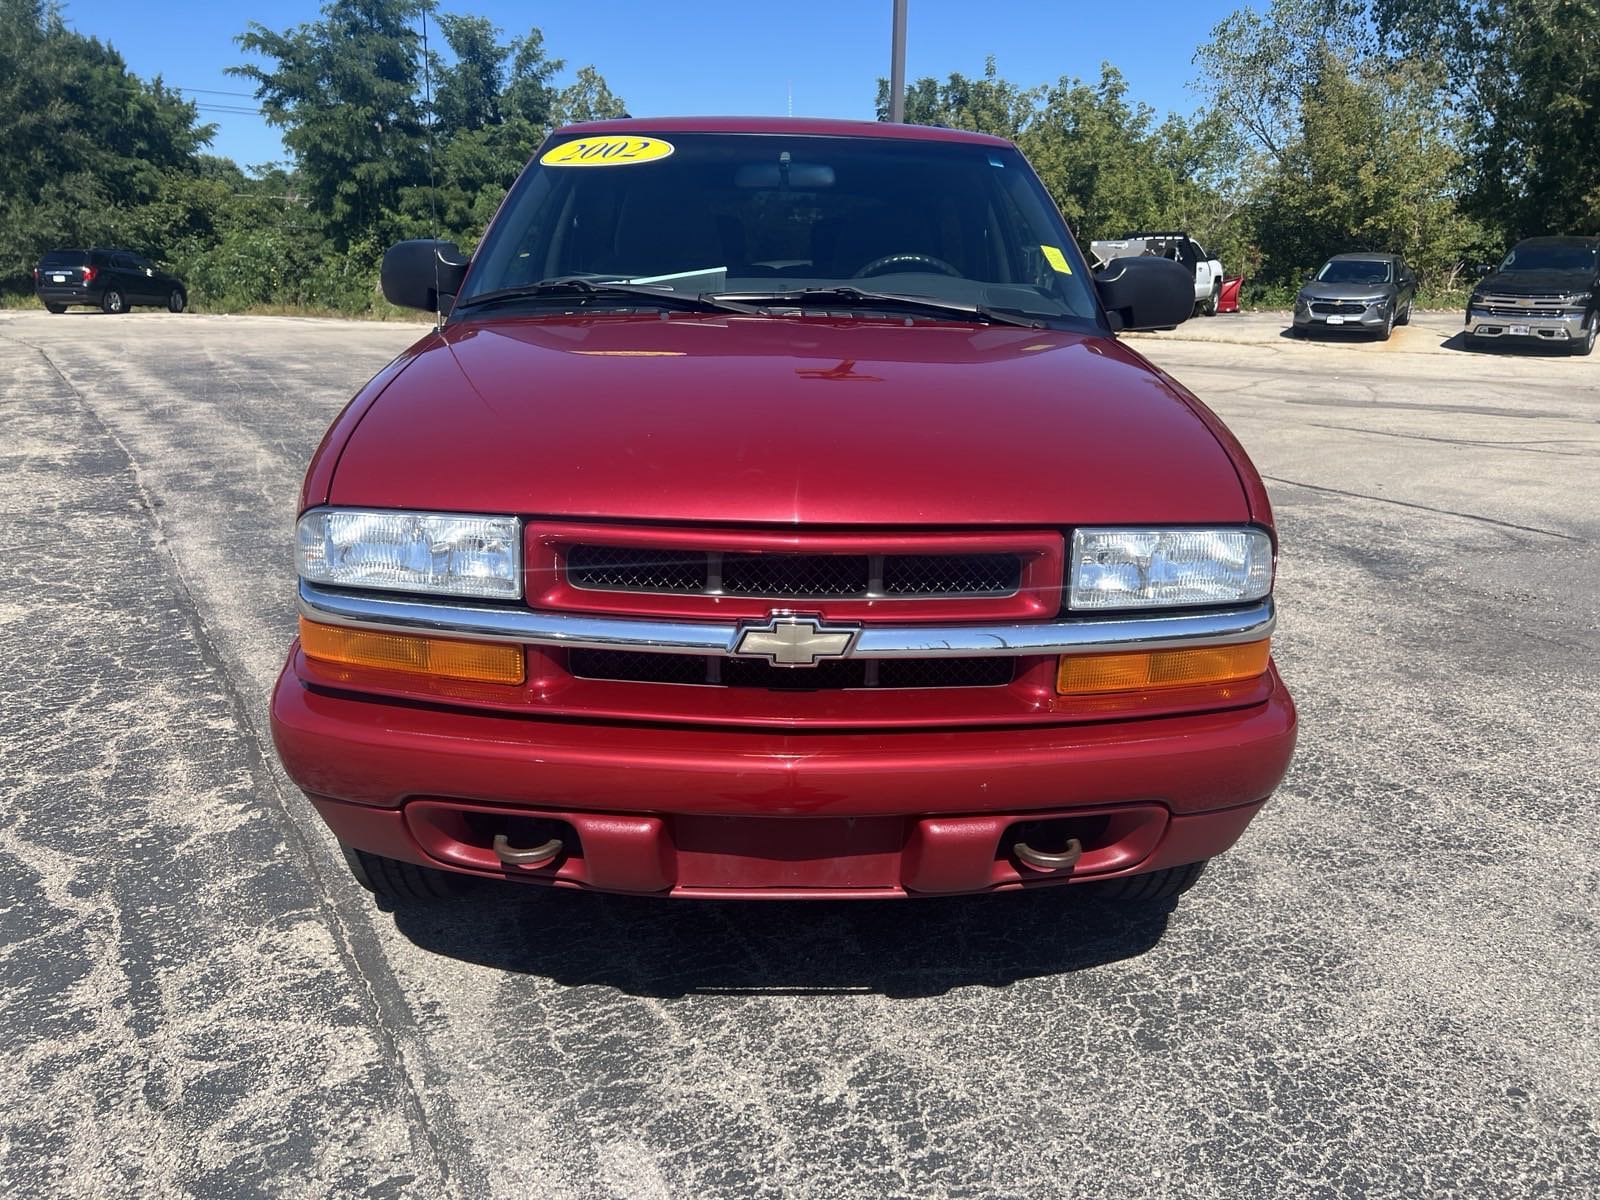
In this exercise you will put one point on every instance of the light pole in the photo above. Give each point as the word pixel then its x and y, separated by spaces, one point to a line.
pixel 897 65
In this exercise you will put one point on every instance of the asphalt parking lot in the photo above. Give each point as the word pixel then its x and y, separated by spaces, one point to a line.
pixel 1390 988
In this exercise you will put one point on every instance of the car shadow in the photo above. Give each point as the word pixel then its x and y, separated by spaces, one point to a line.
pixel 1458 341
pixel 1330 337
pixel 901 949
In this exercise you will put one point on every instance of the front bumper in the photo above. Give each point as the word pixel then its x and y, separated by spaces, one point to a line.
pixel 712 812
pixel 1526 327
pixel 1376 316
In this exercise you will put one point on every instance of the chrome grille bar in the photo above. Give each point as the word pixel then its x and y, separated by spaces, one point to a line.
pixel 487 622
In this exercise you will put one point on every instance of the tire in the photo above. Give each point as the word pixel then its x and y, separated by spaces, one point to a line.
pixel 1388 328
pixel 1209 307
pixel 395 880
pixel 177 301
pixel 1151 887
pixel 1586 347
pixel 113 302
pixel 55 308
pixel 1405 317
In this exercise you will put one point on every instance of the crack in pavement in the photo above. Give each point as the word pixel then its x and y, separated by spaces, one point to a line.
pixel 1521 447
pixel 1443 512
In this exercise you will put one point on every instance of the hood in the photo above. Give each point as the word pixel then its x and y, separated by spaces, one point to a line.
pixel 1538 283
pixel 1346 291
pixel 813 420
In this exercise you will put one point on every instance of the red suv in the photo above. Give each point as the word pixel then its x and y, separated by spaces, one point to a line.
pixel 776 514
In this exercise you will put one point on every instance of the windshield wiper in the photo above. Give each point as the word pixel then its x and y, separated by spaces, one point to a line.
pixel 588 290
pixel 833 297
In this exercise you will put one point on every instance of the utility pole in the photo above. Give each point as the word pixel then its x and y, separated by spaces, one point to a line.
pixel 897 66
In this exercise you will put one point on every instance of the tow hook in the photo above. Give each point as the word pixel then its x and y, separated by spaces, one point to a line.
pixel 1041 860
pixel 534 856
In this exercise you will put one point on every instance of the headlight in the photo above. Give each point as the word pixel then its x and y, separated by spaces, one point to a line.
pixel 1476 300
pixel 1159 568
pixel 1580 299
pixel 456 554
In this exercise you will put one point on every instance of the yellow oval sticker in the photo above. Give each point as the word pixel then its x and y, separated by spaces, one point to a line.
pixel 610 150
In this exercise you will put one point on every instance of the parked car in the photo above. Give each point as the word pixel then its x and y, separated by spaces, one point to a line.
pixel 1205 271
pixel 1547 290
pixel 1371 293
pixel 777 514
pixel 113 281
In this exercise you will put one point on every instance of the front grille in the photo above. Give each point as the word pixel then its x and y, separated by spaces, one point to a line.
pixel 802 576
pixel 783 576
pixel 623 569
pixel 1326 308
pixel 829 675
pixel 1524 303
pixel 1513 314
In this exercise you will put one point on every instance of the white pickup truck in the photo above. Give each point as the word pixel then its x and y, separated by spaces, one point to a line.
pixel 1179 247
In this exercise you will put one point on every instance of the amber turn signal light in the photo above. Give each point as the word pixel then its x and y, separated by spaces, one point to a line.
pixel 442 658
pixel 1140 670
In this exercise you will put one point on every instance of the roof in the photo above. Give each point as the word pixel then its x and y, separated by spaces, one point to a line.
pixel 1365 256
pixel 798 126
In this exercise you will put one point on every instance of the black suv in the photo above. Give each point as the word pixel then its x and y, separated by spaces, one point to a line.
pixel 1547 290
pixel 113 280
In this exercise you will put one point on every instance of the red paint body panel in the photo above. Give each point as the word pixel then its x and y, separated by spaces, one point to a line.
pixel 319 477
pixel 800 421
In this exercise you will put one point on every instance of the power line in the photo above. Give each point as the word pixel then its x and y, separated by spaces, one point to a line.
pixel 212 92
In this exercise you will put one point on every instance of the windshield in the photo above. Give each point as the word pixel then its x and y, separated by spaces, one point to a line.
pixel 1551 258
pixel 1355 270
pixel 724 214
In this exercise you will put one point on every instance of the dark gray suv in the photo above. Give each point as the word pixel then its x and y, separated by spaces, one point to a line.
pixel 110 280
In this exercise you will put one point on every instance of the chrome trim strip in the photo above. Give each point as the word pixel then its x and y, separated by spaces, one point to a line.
pixel 485 622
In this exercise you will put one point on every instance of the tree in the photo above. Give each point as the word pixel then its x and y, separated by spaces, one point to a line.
pixel 1526 74
pixel 345 91
pixel 1348 148
pixel 587 98
pixel 85 145
pixel 1106 163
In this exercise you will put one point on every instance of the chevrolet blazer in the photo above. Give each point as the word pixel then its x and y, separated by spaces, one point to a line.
pixel 774 513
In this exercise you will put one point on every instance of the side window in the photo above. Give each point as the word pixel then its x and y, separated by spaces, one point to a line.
pixel 1199 253
pixel 142 264
pixel 124 262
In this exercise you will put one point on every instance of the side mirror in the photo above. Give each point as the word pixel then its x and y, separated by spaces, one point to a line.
pixel 1145 293
pixel 416 274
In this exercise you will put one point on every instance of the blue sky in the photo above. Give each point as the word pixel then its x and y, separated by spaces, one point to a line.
pixel 673 57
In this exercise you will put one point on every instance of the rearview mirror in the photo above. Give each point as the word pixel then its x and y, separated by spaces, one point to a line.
pixel 803 176
pixel 1145 293
pixel 416 274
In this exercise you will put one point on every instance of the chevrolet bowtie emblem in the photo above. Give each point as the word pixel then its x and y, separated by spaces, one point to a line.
pixel 794 641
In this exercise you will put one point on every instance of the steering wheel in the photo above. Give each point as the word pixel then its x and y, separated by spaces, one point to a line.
pixel 898 261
